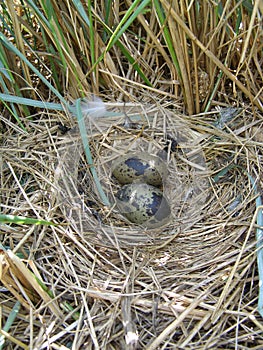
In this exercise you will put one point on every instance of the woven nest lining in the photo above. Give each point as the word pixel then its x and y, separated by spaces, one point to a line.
pixel 153 132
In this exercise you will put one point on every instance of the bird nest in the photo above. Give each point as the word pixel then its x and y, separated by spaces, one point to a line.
pixel 191 284
pixel 156 131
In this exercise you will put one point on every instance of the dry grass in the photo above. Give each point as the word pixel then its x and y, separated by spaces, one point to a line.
pixel 196 288
pixel 193 284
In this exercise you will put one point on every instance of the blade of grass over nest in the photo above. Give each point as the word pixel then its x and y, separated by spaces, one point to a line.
pixel 47 105
pixel 9 322
pixel 21 220
pixel 33 103
pixel 85 141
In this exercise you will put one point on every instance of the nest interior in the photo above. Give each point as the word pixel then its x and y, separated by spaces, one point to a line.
pixel 191 284
pixel 156 131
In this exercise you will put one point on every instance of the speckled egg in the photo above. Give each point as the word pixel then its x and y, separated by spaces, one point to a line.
pixel 141 167
pixel 144 205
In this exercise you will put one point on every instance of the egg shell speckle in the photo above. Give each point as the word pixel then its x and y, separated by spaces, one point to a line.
pixel 141 167
pixel 144 205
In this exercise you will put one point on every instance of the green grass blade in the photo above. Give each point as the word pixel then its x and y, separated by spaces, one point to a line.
pixel 37 12
pixel 5 71
pixel 12 48
pixel 91 33
pixel 126 21
pixel 85 141
pixel 11 109
pixel 133 62
pixel 31 102
pixel 82 11
pixel 223 172
pixel 9 322
pixel 239 20
pixel 3 67
pixel 113 38
pixel 47 105
pixel 166 34
pixel 127 55
pixel 106 18
pixel 207 106
pixel 58 36
pixel 44 24
pixel 21 220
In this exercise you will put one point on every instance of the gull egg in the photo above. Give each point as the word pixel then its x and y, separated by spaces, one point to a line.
pixel 141 167
pixel 144 205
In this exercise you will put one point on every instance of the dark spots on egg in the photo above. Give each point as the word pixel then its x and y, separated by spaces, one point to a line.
pixel 141 204
pixel 154 204
pixel 141 199
pixel 144 168
pixel 123 196
pixel 137 165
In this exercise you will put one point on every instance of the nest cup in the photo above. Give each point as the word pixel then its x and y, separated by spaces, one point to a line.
pixel 156 131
